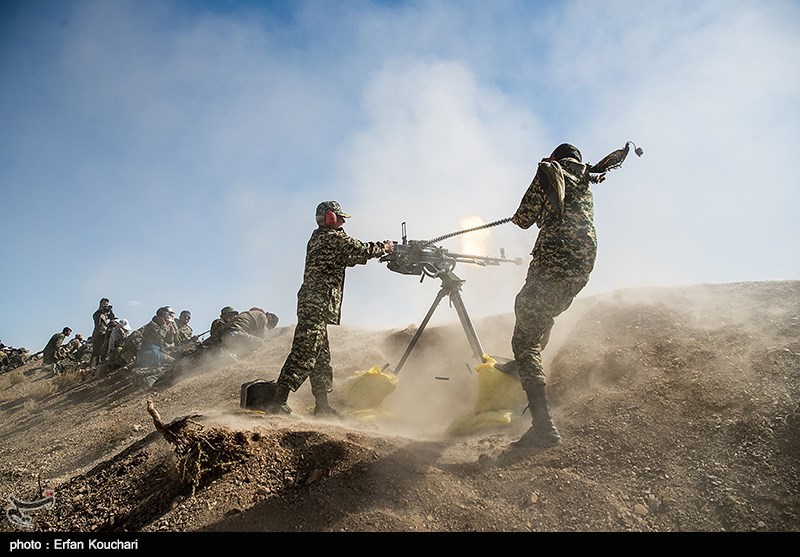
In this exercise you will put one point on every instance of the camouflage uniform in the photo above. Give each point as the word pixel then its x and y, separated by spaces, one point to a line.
pixel 15 358
pixel 563 257
pixel 102 317
pixel 217 326
pixel 245 332
pixel 185 333
pixel 50 353
pixel 157 340
pixel 116 341
pixel 130 347
pixel 319 303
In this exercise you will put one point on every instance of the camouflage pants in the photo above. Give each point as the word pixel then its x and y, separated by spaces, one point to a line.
pixel 310 357
pixel 537 305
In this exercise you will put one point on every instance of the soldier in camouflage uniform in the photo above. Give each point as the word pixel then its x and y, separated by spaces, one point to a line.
pixel 226 314
pixel 116 340
pixel 559 200
pixel 76 354
pixel 185 332
pixel 158 339
pixel 563 257
pixel 53 352
pixel 19 357
pixel 102 317
pixel 246 332
pixel 130 348
pixel 319 302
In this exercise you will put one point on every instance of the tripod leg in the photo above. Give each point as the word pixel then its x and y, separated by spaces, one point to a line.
pixel 414 340
pixel 472 336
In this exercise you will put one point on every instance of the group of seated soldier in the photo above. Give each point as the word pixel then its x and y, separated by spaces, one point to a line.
pixel 12 358
pixel 163 349
pixel 163 341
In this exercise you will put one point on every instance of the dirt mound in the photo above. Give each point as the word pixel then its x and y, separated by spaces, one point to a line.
pixel 678 407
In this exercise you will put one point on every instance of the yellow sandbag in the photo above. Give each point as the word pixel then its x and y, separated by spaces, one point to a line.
pixel 367 415
pixel 367 388
pixel 497 390
pixel 478 423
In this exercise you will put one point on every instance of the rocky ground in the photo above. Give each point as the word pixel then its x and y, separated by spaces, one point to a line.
pixel 678 406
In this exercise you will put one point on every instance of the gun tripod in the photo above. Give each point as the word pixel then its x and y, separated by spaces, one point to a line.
pixel 451 286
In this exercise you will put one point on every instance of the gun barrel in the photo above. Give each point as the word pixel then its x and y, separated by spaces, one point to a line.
pixel 484 260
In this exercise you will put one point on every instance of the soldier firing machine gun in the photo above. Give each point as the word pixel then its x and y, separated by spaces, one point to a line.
pixel 414 257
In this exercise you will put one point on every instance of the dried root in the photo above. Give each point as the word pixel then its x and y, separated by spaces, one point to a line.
pixel 202 454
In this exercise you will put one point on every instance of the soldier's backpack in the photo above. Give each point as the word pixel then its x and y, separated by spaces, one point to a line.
pixel 255 395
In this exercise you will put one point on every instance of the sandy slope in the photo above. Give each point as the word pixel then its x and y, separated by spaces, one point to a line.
pixel 678 406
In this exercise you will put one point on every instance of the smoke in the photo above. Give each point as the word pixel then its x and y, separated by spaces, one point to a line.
pixel 477 241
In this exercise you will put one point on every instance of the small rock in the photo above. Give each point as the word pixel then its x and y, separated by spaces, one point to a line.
pixel 315 474
pixel 640 509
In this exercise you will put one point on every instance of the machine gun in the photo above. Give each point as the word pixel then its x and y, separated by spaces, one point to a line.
pixel 414 257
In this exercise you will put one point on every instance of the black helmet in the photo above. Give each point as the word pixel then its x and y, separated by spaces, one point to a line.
pixel 565 150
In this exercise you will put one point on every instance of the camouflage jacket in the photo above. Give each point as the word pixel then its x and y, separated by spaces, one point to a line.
pixel 328 253
pixel 185 333
pixel 217 326
pixel 252 323
pixel 133 341
pixel 154 333
pixel 566 246
pixel 49 352
pixel 101 319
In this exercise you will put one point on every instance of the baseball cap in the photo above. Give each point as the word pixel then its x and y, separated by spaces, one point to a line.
pixel 334 206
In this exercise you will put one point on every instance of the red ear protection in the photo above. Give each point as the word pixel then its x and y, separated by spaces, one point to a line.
pixel 331 219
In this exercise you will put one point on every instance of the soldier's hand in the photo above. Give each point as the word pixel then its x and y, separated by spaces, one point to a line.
pixel 388 246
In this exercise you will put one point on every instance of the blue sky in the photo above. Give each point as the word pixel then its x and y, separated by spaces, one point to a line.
pixel 173 152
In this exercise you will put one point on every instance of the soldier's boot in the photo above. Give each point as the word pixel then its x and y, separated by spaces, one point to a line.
pixel 543 433
pixel 509 367
pixel 322 408
pixel 278 404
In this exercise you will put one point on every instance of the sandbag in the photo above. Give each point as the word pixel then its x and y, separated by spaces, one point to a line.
pixel 368 416
pixel 366 389
pixel 497 390
pixel 499 394
pixel 479 423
